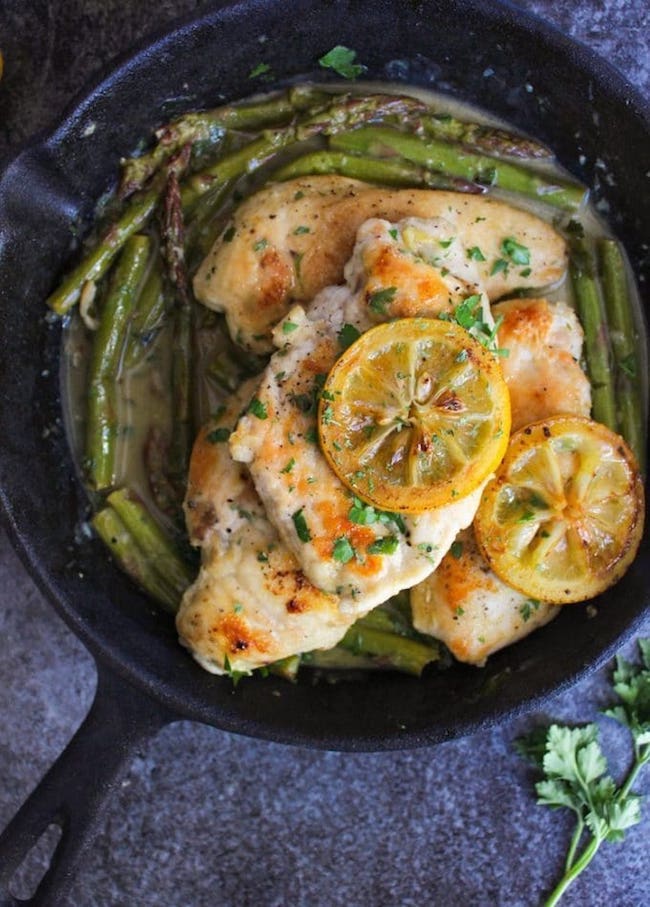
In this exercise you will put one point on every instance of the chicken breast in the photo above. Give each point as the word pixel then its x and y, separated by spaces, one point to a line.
pixel 290 240
pixel 343 547
pixel 463 603
pixel 251 604
pixel 542 368
pixel 467 607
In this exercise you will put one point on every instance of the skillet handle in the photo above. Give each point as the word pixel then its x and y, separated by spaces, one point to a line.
pixel 77 787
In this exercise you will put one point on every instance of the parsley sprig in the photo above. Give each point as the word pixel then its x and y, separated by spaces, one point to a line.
pixel 575 770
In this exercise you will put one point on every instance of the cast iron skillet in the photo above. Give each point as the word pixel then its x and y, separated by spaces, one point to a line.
pixel 489 53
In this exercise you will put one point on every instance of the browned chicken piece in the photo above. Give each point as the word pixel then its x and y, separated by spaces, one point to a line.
pixel 542 368
pixel 290 240
pixel 251 604
pixel 463 603
pixel 468 607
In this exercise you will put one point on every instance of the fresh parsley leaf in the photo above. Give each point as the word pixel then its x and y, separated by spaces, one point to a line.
pixel 387 544
pixel 518 254
pixel 475 254
pixel 287 469
pixel 260 70
pixel 381 298
pixel 300 525
pixel 499 265
pixel 257 408
pixel 288 327
pixel 456 549
pixel 218 435
pixel 341 60
pixel 575 769
pixel 347 335
pixel 342 550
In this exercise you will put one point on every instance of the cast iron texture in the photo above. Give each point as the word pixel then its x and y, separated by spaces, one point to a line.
pixel 48 193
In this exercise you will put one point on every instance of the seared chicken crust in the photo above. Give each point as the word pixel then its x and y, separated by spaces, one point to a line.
pixel 290 240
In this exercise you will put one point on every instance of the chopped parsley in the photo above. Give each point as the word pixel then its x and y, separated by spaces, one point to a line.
pixel 342 550
pixel 301 527
pixel 347 335
pixel 260 244
pixel 261 69
pixel 518 254
pixel 288 327
pixel 300 230
pixel 499 265
pixel 341 60
pixel 218 435
pixel 385 545
pixel 257 408
pixel 528 608
pixel 456 549
pixel 381 298
pixel 287 469
pixel 475 254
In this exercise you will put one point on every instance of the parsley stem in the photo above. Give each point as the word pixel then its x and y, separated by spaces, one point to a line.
pixel 575 841
pixel 572 874
pixel 642 757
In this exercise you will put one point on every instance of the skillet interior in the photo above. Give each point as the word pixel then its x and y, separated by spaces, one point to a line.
pixel 50 190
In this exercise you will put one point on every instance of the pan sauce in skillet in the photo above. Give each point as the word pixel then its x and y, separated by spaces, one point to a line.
pixel 143 402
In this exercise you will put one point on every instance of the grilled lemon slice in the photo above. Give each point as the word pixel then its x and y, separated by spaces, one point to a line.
pixel 414 415
pixel 563 518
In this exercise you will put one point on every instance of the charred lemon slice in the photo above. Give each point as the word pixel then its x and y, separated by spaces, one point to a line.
pixel 414 415
pixel 563 518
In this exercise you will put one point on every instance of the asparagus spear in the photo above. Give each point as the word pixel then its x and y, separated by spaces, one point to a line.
pixel 382 141
pixel 148 316
pixel 161 552
pixel 182 343
pixel 397 652
pixel 132 559
pixel 486 139
pixel 344 113
pixel 623 337
pixel 387 171
pixel 209 128
pixel 101 428
pixel 100 258
pixel 597 349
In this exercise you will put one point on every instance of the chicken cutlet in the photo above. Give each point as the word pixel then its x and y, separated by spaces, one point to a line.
pixel 290 240
pixel 251 603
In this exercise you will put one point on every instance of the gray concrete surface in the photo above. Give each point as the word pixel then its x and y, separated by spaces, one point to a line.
pixel 204 817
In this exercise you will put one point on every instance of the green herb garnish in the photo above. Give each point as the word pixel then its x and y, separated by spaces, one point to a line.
pixel 218 435
pixel 381 298
pixel 257 408
pixel 341 60
pixel 575 770
pixel 342 550
pixel 301 527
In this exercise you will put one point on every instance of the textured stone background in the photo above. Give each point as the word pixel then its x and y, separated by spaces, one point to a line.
pixel 205 817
